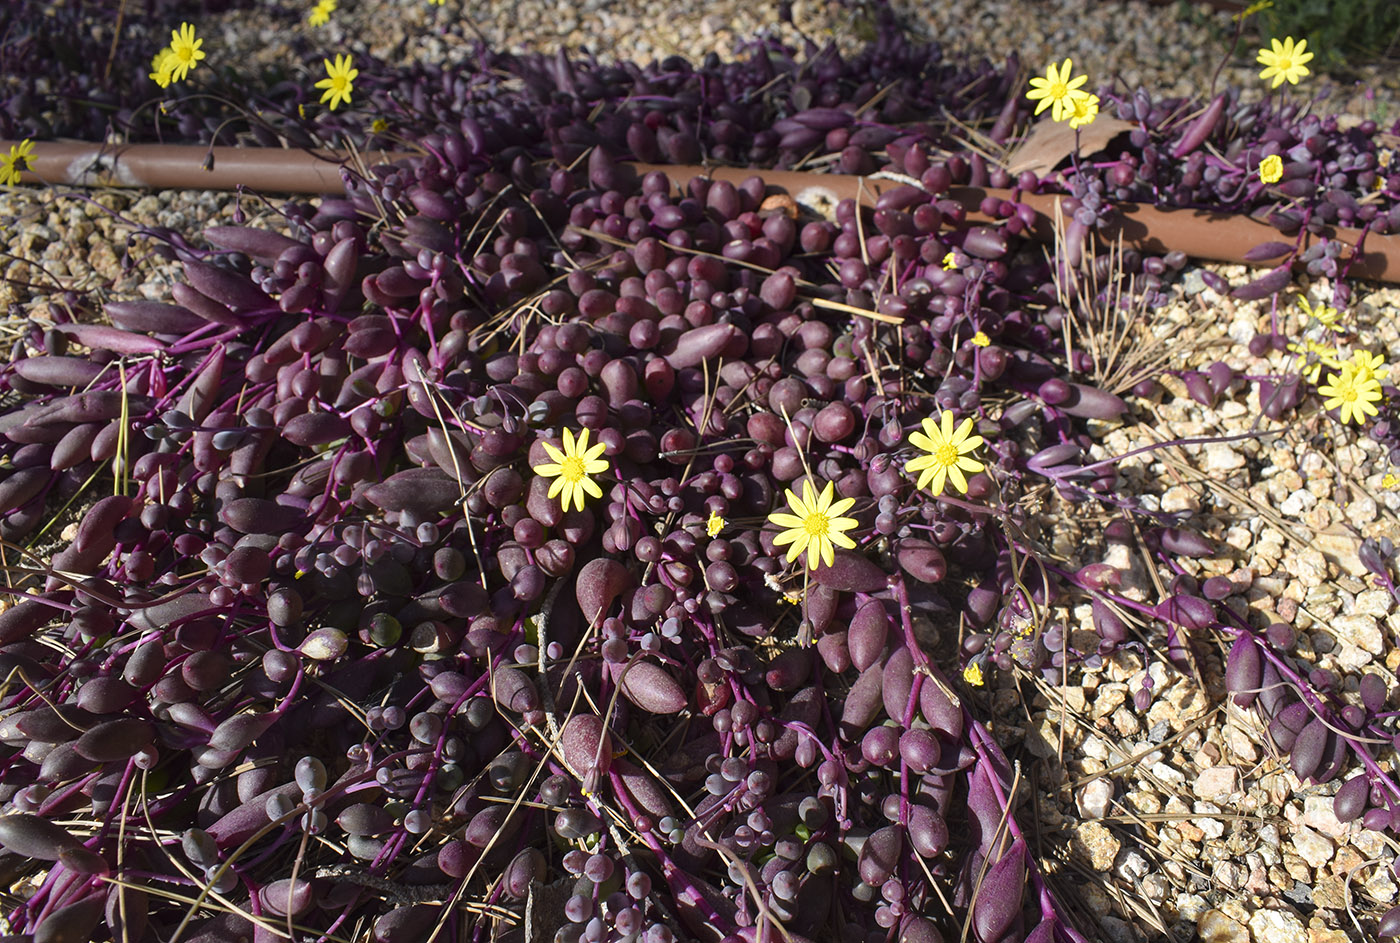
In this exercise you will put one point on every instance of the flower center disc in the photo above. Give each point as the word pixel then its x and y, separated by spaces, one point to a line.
pixel 572 468
pixel 947 455
pixel 816 524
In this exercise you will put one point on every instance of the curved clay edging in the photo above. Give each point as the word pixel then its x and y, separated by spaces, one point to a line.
pixel 188 167
pixel 1217 237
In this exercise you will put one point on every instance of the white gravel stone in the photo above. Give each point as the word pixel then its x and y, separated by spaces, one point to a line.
pixel 1220 457
pixel 1168 775
pixel 1315 848
pixel 1317 813
pixel 1362 631
pixel 1132 865
pixel 1215 926
pixel 1210 828
pixel 1093 800
pixel 1230 874
pixel 1269 844
pixel 1373 602
pixel 1297 502
pixel 1277 926
pixel 1215 782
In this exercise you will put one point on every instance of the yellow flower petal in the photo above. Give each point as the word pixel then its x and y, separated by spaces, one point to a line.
pixel 841 540
pixel 956 475
pixel 940 474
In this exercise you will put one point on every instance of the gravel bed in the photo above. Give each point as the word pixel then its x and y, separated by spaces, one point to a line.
pixel 1166 824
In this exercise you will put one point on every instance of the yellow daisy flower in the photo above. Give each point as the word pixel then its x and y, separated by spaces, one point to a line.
pixel 715 524
pixel 1323 314
pixel 184 53
pixel 1368 365
pixel 1083 111
pixel 816 526
pixel 1315 357
pixel 981 339
pixel 571 469
pixel 1284 62
pixel 947 453
pixel 1057 90
pixel 321 13
pixel 339 81
pixel 161 67
pixel 949 262
pixel 972 674
pixel 1355 395
pixel 18 159
pixel 1271 169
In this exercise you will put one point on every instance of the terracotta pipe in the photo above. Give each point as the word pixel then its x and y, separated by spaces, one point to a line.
pixel 1217 237
pixel 186 166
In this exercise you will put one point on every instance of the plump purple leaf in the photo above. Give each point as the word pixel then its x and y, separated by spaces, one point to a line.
pixel 238 731
pixel 584 745
pixel 863 702
pixel 422 490
pixel 700 344
pixel 1201 128
pixel 867 634
pixel 115 740
pixel 153 317
pixel 600 582
pixel 897 682
pixel 1389 927
pixel 1308 748
pixel 32 837
pixel 1268 250
pixel 644 791
pixel 58 371
pixel 921 560
pixel 259 244
pixel 1264 286
pixel 650 687
pixel 850 572
pixel 1244 670
pixel 72 923
pixel 879 856
pixel 1352 798
pixel 998 904
pixel 102 337
pixel 224 286
pixel 1187 611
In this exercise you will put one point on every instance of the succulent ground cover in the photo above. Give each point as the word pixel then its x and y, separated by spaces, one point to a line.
pixel 526 547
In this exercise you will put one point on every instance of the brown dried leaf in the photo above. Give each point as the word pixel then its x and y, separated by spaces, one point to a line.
pixel 1052 141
